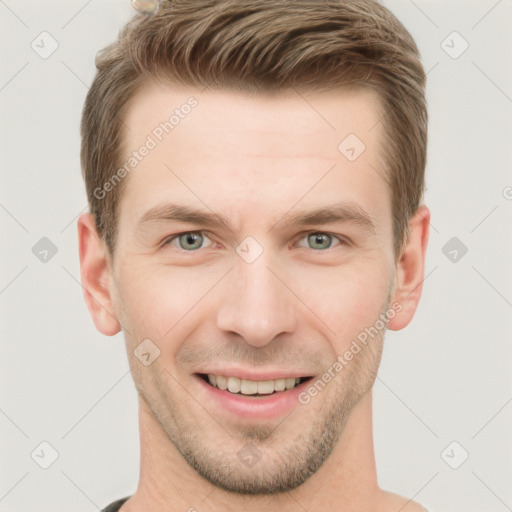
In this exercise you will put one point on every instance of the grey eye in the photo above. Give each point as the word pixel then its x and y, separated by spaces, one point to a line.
pixel 190 241
pixel 320 240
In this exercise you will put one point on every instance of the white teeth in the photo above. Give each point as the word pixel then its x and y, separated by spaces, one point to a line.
pixel 234 384
pixel 265 387
pixel 222 382
pixel 289 383
pixel 252 387
pixel 280 385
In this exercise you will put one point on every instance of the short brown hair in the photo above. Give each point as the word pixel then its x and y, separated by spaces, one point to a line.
pixel 262 46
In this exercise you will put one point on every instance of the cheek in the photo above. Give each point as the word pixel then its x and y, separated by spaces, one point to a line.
pixel 156 299
pixel 344 299
pixel 347 299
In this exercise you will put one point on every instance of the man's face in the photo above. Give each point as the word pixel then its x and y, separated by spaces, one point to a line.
pixel 257 294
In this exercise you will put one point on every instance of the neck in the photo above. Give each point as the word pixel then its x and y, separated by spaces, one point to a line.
pixel 346 481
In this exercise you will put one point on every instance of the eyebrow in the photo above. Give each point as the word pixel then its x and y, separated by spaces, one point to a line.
pixel 340 212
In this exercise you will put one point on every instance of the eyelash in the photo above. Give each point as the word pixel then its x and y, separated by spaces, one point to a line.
pixel 170 239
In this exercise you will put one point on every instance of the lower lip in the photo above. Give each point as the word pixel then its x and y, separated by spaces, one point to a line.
pixel 265 407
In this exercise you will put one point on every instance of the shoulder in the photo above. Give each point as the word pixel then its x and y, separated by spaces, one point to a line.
pixel 116 506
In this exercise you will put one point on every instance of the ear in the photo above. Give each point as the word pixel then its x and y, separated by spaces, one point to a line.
pixel 95 273
pixel 410 270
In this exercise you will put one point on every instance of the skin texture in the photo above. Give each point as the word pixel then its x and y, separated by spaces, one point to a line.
pixel 254 160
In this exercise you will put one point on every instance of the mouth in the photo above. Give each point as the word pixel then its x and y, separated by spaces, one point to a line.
pixel 252 400
pixel 251 388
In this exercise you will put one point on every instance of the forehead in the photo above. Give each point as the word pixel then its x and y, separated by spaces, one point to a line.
pixel 295 115
pixel 223 148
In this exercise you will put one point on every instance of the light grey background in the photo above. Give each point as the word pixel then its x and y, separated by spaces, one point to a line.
pixel 444 378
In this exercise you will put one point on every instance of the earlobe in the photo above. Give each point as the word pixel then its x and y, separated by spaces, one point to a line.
pixel 96 277
pixel 410 270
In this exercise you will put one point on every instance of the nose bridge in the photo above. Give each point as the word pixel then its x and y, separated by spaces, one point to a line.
pixel 255 304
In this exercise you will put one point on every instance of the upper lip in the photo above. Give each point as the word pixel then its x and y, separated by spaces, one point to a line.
pixel 250 374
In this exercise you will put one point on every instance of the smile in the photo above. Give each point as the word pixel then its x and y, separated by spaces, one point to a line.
pixel 241 398
pixel 252 387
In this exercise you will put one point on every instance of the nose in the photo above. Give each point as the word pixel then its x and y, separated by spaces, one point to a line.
pixel 255 303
